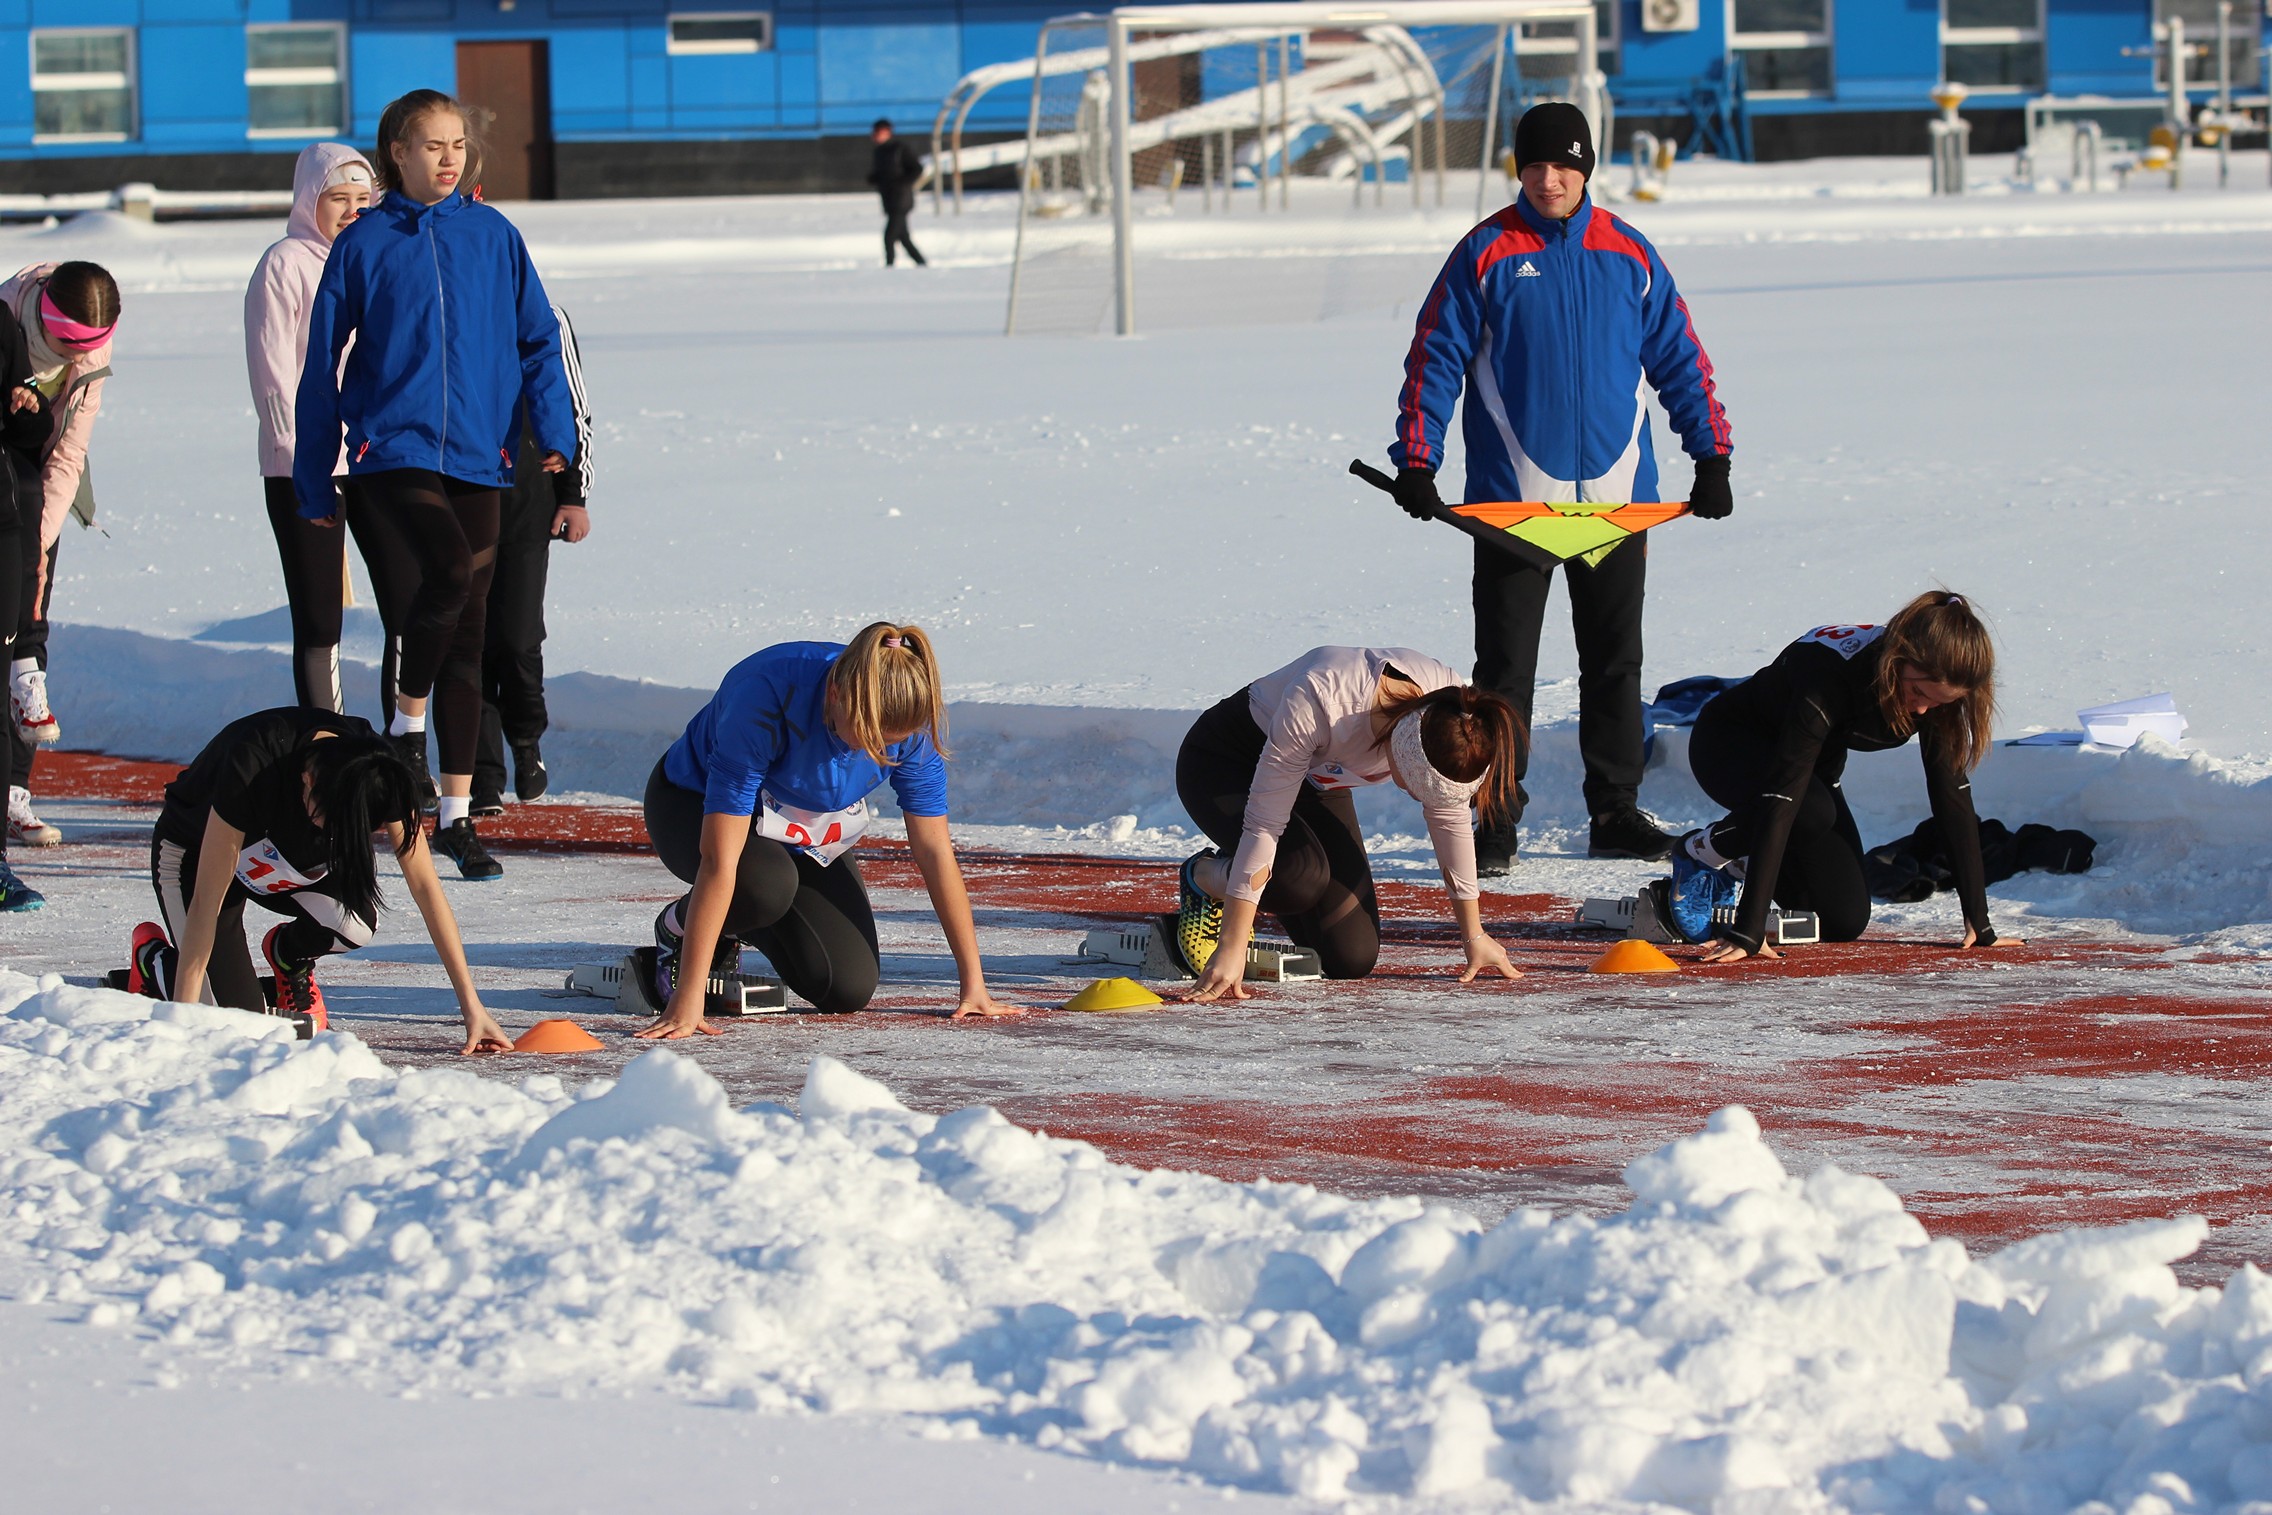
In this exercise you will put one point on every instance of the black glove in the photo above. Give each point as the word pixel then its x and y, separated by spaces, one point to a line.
pixel 1416 492
pixel 1708 497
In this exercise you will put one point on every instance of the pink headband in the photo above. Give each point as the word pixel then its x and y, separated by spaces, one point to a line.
pixel 894 642
pixel 65 332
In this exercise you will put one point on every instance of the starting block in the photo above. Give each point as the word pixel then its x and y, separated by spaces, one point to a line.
pixel 1145 948
pixel 1646 917
pixel 628 981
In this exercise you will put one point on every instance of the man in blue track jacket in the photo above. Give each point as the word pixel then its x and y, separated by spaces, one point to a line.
pixel 1552 316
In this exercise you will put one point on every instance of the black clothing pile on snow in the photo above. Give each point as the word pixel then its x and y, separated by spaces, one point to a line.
pixel 1912 867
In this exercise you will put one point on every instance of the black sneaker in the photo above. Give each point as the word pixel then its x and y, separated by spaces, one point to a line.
pixel 529 777
pixel 486 803
pixel 1496 848
pixel 411 748
pixel 1630 832
pixel 461 844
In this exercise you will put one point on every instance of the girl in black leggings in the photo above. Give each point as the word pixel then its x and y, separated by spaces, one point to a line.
pixel 1773 750
pixel 1267 774
pixel 280 810
pixel 452 335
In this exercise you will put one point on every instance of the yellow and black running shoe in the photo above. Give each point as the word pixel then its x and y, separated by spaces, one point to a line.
pixel 1198 918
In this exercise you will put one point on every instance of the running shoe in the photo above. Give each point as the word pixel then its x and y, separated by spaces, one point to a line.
pixel 529 777
pixel 461 844
pixel 15 894
pixel 298 999
pixel 27 699
pixel 725 958
pixel 486 803
pixel 411 748
pixel 1198 917
pixel 1696 892
pixel 150 962
pixel 23 825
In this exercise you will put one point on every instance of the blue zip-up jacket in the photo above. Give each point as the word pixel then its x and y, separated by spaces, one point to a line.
pixel 766 728
pixel 1553 327
pixel 451 330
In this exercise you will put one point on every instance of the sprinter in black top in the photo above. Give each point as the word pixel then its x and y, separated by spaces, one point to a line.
pixel 281 809
pixel 1773 750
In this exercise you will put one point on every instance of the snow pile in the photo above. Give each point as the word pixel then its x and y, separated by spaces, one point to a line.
pixel 1736 1339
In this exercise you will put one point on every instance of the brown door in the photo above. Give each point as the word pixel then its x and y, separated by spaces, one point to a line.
pixel 507 87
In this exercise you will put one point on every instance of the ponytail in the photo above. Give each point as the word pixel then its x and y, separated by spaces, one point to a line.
pixel 886 687
pixel 362 786
pixel 1467 734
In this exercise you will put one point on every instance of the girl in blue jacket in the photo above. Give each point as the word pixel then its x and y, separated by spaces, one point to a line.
pixel 451 332
pixel 759 804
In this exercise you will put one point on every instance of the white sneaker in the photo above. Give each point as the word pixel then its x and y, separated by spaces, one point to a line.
pixel 28 697
pixel 25 827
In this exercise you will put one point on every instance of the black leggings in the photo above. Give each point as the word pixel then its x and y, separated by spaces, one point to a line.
pixel 314 558
pixel 813 923
pixel 317 925
pixel 11 587
pixel 449 529
pixel 1321 886
pixel 1822 859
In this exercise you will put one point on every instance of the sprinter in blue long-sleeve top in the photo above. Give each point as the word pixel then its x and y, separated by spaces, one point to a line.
pixel 1556 318
pixel 760 803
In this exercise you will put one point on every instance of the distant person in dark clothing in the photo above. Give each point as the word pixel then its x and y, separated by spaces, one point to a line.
pixel 896 173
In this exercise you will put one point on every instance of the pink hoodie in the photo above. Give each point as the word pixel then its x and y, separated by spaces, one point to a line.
pixel 65 460
pixel 276 307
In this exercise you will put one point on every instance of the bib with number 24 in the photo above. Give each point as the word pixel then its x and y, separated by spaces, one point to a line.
pixel 822 835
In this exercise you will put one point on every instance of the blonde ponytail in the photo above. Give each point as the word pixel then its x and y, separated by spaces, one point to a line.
pixel 886 687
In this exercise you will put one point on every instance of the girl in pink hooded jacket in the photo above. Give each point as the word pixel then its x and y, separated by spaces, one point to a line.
pixel 330 186
pixel 68 312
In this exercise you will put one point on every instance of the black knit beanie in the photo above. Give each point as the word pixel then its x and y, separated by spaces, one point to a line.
pixel 1555 132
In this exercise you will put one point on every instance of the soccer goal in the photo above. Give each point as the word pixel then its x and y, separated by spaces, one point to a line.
pixel 1150 113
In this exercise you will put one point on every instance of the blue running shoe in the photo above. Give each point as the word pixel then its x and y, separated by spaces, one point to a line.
pixel 15 894
pixel 1696 892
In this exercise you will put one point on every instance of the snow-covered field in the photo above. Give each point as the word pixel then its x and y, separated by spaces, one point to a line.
pixel 2050 401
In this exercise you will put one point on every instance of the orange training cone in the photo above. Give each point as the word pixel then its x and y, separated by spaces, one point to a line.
pixel 1633 956
pixel 557 1036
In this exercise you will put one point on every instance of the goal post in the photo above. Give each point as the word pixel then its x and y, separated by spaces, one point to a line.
pixel 1236 96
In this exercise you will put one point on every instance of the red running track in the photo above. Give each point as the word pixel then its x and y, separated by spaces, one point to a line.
pixel 2066 1082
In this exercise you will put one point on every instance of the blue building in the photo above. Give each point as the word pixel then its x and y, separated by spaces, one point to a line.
pixel 648 97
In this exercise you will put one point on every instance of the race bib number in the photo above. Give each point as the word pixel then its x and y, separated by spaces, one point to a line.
pixel 263 870
pixel 1330 776
pixel 1844 640
pixel 822 835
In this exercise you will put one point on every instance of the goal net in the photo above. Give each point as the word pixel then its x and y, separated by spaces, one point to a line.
pixel 1152 116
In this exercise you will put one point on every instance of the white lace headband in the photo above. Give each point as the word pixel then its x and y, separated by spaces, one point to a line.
pixel 1418 776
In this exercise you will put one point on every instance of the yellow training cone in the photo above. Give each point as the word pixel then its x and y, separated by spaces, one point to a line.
pixel 1633 956
pixel 1114 994
pixel 557 1036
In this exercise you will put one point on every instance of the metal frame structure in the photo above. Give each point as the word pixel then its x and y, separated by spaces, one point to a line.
pixel 1265 21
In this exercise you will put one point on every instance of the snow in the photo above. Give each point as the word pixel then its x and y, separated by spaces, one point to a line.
pixel 2043 399
pixel 1737 1337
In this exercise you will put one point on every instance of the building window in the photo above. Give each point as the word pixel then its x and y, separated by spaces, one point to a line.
pixel 1546 49
pixel 1993 44
pixel 2200 18
pixel 294 80
pixel 83 85
pixel 722 32
pixel 1784 44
